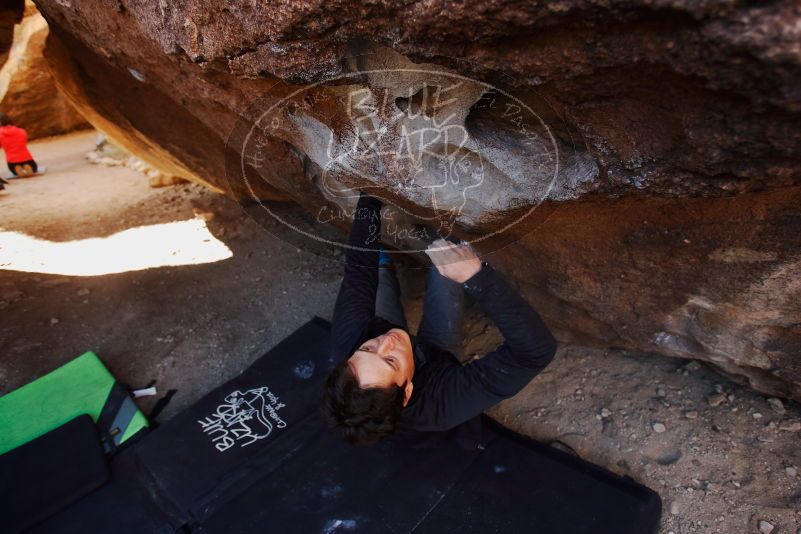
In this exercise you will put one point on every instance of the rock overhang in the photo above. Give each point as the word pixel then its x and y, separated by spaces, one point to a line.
pixel 676 125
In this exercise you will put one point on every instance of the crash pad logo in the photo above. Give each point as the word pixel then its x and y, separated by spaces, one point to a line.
pixel 243 418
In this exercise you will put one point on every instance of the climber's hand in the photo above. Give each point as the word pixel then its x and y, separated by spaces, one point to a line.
pixel 457 262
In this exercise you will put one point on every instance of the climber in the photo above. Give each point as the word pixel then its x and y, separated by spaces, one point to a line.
pixel 14 142
pixel 387 381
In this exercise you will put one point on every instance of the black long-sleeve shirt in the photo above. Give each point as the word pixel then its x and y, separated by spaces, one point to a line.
pixel 445 393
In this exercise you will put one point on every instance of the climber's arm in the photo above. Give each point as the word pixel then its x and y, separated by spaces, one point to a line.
pixel 355 304
pixel 466 391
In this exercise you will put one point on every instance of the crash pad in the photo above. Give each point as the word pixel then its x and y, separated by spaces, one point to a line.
pixel 78 387
pixel 254 455
pixel 50 472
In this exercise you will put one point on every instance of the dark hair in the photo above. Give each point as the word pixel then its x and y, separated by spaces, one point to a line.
pixel 5 120
pixel 360 416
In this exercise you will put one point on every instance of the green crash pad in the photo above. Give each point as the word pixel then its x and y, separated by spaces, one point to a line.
pixel 78 387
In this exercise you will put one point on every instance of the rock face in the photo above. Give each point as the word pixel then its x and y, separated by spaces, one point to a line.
pixel 10 14
pixel 632 166
pixel 27 90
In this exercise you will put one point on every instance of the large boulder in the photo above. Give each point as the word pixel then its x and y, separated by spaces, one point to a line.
pixel 11 13
pixel 631 165
pixel 27 90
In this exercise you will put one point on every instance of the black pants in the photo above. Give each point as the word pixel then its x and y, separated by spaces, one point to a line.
pixel 13 166
pixel 441 324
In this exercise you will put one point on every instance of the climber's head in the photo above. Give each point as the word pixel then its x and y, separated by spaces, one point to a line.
pixel 365 394
pixel 5 120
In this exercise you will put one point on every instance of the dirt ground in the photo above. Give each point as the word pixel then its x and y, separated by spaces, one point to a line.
pixel 723 458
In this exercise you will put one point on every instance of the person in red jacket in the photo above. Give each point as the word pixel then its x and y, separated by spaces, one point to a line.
pixel 14 141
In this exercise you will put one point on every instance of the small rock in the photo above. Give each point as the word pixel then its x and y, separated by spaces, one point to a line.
pixel 660 392
pixel 203 214
pixel 791 471
pixel 765 527
pixel 605 413
pixel 12 295
pixel 692 414
pixel 791 427
pixel 83 292
pixel 675 509
pixel 777 405
pixel 669 458
pixel 735 483
pixel 54 320
pixel 659 428
pixel 756 415
pixel 716 399
pixel 693 366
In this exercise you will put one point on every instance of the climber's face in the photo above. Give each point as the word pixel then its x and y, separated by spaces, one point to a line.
pixel 385 361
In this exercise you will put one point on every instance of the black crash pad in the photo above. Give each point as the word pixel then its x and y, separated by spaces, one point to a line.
pixel 130 503
pixel 254 456
pixel 519 485
pixel 49 473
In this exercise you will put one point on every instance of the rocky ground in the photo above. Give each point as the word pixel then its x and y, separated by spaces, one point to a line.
pixel 723 458
pixel 188 327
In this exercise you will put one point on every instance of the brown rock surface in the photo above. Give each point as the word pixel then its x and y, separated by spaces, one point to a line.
pixel 10 14
pixel 665 165
pixel 27 90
